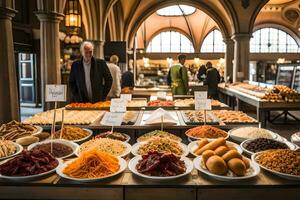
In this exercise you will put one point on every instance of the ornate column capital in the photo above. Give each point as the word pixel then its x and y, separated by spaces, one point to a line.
pixel 241 36
pixel 228 40
pixel 7 13
pixel 49 16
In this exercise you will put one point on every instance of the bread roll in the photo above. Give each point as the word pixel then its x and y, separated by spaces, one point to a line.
pixel 237 166
pixel 216 165
pixel 206 154
pixel 201 144
pixel 211 146
pixel 220 151
pixel 231 154
pixel 246 162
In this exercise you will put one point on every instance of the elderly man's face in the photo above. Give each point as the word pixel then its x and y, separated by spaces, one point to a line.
pixel 87 53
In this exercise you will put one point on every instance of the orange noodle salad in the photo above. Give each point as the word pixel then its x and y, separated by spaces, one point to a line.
pixel 92 164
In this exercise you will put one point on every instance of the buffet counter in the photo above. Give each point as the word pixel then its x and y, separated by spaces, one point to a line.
pixel 263 107
pixel 128 186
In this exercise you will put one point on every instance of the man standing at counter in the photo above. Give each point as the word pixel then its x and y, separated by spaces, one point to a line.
pixel 90 79
pixel 178 77
pixel 212 80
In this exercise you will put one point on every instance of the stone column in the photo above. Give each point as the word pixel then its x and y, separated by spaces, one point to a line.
pixel 241 57
pixel 229 56
pixel 98 48
pixel 9 100
pixel 50 49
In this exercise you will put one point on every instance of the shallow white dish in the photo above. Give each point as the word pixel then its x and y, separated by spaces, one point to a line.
pixel 289 144
pixel 199 166
pixel 295 138
pixel 282 175
pixel 134 161
pixel 136 147
pixel 71 144
pixel 127 136
pixel 191 138
pixel 59 171
pixel 38 131
pixel 126 152
pixel 32 177
pixel 241 139
pixel 19 149
pixel 193 146
pixel 85 138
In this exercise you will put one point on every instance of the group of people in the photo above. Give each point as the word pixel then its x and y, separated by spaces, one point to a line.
pixel 92 79
pixel 178 78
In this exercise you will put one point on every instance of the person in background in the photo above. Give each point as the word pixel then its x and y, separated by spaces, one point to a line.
pixel 116 76
pixel 90 79
pixel 128 77
pixel 212 80
pixel 201 73
pixel 178 77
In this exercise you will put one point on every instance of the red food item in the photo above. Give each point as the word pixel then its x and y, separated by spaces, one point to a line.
pixel 29 163
pixel 160 164
pixel 161 103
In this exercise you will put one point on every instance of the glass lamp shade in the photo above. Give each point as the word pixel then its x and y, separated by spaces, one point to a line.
pixel 73 14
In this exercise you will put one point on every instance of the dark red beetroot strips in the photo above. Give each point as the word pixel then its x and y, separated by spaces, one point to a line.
pixel 29 163
pixel 160 164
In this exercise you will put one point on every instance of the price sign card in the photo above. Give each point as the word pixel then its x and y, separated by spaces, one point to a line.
pixel 200 95
pixel 112 119
pixel 56 93
pixel 202 104
pixel 118 105
pixel 161 95
pixel 127 97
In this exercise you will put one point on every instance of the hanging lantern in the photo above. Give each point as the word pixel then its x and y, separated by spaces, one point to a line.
pixel 73 14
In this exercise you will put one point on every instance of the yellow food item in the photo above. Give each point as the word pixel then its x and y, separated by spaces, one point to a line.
pixel 216 165
pixel 92 164
pixel 230 155
pixel 246 162
pixel 72 133
pixel 160 145
pixel 27 140
pixel 7 148
pixel 207 154
pixel 201 144
pixel 212 145
pixel 220 151
pixel 114 147
pixel 237 166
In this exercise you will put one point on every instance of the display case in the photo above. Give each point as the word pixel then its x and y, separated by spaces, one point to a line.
pixel 289 75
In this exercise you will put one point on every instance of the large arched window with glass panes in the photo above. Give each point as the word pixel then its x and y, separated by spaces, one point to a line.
pixel 170 41
pixel 272 40
pixel 213 42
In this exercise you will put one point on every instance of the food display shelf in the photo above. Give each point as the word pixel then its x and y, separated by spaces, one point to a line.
pixel 262 106
pixel 128 186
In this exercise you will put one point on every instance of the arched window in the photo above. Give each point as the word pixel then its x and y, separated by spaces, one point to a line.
pixel 176 10
pixel 268 40
pixel 170 41
pixel 213 42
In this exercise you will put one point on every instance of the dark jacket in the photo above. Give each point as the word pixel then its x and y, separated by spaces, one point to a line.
pixel 101 81
pixel 201 73
pixel 127 79
pixel 212 80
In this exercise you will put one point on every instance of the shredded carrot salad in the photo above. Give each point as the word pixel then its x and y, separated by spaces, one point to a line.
pixel 92 164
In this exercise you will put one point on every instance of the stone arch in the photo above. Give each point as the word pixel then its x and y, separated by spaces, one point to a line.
pixel 204 6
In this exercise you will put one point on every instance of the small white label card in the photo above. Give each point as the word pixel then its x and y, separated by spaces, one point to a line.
pixel 202 104
pixel 56 93
pixel 118 105
pixel 200 95
pixel 161 95
pixel 127 97
pixel 112 119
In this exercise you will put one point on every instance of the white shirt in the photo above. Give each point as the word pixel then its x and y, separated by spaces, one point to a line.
pixel 116 76
pixel 87 75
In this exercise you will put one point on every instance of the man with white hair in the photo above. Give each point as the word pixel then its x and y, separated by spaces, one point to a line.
pixel 90 79
pixel 116 75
